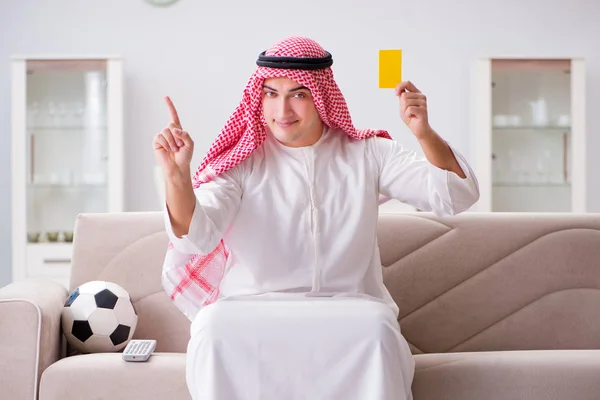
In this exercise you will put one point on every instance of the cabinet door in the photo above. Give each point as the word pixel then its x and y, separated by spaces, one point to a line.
pixel 67 137
pixel 530 135
pixel 66 155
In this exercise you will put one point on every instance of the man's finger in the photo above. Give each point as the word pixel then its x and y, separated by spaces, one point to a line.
pixel 401 88
pixel 411 87
pixel 415 111
pixel 406 86
pixel 172 111
pixel 409 95
pixel 185 137
pixel 415 102
pixel 168 135
pixel 161 143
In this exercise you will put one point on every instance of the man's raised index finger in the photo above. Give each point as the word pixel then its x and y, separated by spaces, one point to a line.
pixel 172 111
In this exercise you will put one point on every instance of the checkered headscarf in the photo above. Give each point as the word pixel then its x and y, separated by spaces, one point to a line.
pixel 193 281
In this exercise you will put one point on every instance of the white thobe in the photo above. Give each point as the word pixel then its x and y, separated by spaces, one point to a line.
pixel 301 224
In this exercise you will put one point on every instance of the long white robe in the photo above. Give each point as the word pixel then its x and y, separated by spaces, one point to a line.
pixel 301 228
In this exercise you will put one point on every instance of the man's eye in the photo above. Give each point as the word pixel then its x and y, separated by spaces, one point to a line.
pixel 300 95
pixel 270 94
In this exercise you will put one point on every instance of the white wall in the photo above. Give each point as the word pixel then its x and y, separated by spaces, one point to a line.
pixel 201 53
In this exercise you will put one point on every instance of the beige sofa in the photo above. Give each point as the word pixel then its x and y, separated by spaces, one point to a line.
pixel 495 306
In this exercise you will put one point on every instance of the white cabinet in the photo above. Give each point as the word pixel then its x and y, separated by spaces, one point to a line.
pixel 529 134
pixel 67 155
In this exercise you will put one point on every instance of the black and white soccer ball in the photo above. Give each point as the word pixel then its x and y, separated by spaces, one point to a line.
pixel 98 317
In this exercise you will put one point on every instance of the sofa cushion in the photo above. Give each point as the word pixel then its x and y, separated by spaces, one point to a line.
pixel 540 374
pixel 107 376
pixel 129 249
pixel 545 374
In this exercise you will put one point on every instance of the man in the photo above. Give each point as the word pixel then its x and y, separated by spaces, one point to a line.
pixel 273 253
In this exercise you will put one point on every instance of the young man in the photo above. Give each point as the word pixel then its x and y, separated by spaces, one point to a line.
pixel 273 253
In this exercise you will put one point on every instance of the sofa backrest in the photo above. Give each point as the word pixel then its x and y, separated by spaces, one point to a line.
pixel 471 282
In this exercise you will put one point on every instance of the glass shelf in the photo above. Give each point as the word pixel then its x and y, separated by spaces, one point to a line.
pixel 66 128
pixel 531 184
pixel 44 243
pixel 67 185
pixel 551 128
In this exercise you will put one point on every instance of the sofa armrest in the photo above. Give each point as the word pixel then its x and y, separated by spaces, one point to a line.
pixel 30 334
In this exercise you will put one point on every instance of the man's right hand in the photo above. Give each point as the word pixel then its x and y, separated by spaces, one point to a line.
pixel 173 147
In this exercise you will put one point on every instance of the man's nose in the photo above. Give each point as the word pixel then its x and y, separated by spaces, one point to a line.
pixel 285 107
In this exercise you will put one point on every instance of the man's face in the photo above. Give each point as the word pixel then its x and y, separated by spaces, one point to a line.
pixel 290 112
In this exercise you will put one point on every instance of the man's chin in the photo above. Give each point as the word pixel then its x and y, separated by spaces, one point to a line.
pixel 283 135
pixel 286 138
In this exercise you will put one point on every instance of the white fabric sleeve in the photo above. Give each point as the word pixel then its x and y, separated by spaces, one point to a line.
pixel 415 181
pixel 216 205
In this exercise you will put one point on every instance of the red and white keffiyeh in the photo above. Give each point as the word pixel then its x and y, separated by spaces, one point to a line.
pixel 192 281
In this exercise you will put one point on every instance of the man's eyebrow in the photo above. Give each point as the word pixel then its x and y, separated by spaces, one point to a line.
pixel 291 90
pixel 299 88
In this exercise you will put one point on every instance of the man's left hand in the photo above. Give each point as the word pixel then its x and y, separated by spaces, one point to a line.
pixel 413 109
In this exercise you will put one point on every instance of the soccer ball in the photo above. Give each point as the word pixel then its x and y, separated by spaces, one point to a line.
pixel 98 317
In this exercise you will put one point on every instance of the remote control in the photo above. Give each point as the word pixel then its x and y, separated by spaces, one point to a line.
pixel 139 350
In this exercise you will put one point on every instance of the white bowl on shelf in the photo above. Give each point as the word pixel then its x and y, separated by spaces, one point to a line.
pixel 93 179
pixel 500 120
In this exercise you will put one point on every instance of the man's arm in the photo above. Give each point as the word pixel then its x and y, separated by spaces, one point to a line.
pixel 416 181
pixel 181 201
pixel 414 113
pixel 195 220
pixel 195 224
pixel 443 182
pixel 438 152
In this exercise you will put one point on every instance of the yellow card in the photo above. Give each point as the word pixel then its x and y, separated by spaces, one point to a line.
pixel 390 68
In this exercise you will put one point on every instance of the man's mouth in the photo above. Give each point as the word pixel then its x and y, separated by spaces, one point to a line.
pixel 285 124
